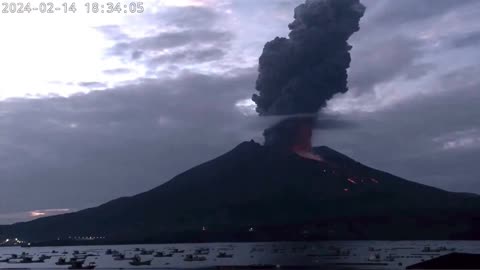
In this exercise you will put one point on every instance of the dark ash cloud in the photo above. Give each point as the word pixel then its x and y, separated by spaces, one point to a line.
pixel 300 74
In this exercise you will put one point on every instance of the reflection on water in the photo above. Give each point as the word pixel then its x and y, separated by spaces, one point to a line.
pixel 320 255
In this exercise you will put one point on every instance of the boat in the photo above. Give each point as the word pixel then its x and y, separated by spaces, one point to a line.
pixel 62 261
pixel 108 252
pixel 44 257
pixel 121 257
pixel 26 259
pixel 146 252
pixel 194 258
pixel 444 249
pixel 176 250
pixel 439 249
pixel 389 258
pixel 202 251
pixel 224 255
pixel 8 259
pixel 39 260
pixel 374 257
pixel 137 261
pixel 427 249
pixel 80 257
pixel 91 255
pixel 162 254
pixel 79 265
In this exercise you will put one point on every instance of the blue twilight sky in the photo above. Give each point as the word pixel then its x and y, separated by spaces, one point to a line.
pixel 98 106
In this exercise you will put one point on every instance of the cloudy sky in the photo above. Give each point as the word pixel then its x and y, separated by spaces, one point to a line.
pixel 99 106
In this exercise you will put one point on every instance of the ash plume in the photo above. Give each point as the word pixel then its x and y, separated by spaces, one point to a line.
pixel 299 74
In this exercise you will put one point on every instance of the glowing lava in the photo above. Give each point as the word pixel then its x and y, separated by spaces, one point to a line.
pixel 302 145
pixel 352 181
pixel 293 135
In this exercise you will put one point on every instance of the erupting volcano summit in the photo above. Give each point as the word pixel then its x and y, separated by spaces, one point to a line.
pixel 299 74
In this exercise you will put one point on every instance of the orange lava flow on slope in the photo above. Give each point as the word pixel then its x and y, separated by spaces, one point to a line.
pixel 303 141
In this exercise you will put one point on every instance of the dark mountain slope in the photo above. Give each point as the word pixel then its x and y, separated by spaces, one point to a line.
pixel 281 195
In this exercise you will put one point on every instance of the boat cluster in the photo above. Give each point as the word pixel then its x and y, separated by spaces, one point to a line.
pixel 196 255
pixel 222 256
pixel 24 258
pixel 76 262
pixel 438 249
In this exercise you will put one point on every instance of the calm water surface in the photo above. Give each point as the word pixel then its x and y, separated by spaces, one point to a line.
pixel 321 255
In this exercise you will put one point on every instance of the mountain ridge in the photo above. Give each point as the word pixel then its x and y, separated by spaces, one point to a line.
pixel 279 195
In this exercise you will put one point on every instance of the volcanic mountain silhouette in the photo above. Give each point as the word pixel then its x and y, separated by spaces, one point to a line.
pixel 255 192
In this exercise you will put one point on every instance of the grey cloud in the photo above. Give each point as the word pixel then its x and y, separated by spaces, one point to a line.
pixel 392 12
pixel 189 17
pixel 182 38
pixel 137 54
pixel 117 71
pixel 404 139
pixel 92 85
pixel 117 142
pixel 194 36
pixel 188 56
pixel 381 55
pixel 383 61
pixel 113 32
pixel 460 79
pixel 467 40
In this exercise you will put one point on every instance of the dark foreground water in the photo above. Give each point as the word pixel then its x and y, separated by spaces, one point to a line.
pixel 321 255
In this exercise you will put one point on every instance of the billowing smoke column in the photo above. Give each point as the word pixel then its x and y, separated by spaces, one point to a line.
pixel 299 74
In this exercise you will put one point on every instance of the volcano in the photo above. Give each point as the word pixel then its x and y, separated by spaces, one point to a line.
pixel 258 193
